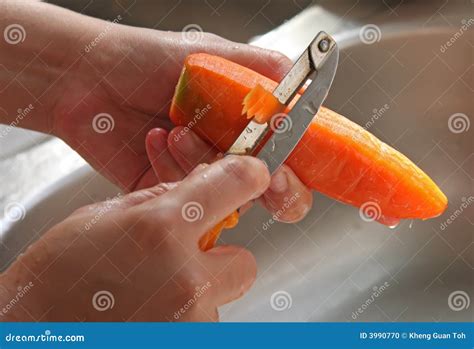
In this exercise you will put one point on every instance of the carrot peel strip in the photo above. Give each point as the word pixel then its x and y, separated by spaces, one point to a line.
pixel 208 240
pixel 261 105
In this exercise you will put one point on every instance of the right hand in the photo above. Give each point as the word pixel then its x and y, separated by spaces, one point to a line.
pixel 142 250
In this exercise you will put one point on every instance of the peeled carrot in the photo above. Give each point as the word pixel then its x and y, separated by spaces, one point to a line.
pixel 335 156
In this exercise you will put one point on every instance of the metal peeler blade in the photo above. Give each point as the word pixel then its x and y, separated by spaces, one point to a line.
pixel 317 64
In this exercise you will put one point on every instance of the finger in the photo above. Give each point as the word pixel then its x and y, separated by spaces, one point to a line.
pixel 270 63
pixel 234 270
pixel 164 165
pixel 140 196
pixel 189 150
pixel 287 198
pixel 128 200
pixel 204 199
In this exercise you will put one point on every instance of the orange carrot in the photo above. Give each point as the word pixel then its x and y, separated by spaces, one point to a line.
pixel 208 240
pixel 335 156
pixel 261 105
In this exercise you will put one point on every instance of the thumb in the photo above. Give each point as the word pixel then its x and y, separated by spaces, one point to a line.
pixel 121 202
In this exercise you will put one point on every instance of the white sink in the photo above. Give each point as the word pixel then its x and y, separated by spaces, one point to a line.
pixel 333 266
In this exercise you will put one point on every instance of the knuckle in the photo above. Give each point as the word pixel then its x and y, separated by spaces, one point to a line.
pixel 246 170
pixel 190 284
pixel 214 38
pixel 294 208
pixel 282 62
pixel 150 227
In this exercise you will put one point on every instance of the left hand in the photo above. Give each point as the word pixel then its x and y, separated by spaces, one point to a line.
pixel 101 87
pixel 136 93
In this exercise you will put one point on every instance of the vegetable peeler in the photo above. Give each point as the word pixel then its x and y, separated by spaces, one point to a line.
pixel 316 66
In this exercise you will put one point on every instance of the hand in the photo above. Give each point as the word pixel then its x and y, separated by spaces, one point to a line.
pixel 102 86
pixel 136 257
pixel 138 100
pixel 173 157
pixel 131 77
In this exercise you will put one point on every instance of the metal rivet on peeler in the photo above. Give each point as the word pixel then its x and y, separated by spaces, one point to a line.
pixel 323 45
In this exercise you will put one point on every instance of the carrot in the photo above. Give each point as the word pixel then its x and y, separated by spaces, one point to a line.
pixel 261 105
pixel 208 240
pixel 335 156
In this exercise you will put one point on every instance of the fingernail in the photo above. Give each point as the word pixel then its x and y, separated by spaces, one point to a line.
pixel 279 182
pixel 187 143
pixel 158 140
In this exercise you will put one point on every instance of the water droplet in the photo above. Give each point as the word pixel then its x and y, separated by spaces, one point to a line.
pixel 411 224
pixel 394 225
